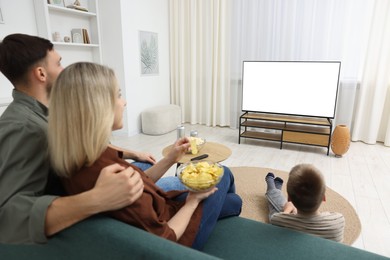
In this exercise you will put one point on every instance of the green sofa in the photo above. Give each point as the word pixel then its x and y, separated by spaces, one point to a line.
pixel 233 238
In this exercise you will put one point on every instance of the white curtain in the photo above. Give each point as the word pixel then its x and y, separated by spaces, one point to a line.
pixel 372 115
pixel 200 60
pixel 297 30
pixel 211 38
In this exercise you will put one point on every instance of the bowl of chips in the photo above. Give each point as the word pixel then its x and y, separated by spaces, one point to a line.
pixel 200 176
pixel 197 144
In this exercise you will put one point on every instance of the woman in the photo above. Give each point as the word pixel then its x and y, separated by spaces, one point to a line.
pixel 85 106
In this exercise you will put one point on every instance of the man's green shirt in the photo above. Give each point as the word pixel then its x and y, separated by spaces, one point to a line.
pixel 24 171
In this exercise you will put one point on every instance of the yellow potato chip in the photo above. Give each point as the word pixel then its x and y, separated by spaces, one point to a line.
pixel 201 176
pixel 194 147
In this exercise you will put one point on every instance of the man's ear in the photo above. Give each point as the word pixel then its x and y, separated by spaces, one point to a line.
pixel 324 198
pixel 40 73
pixel 288 198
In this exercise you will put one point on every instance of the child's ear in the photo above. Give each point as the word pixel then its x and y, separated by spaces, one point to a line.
pixel 288 198
pixel 324 198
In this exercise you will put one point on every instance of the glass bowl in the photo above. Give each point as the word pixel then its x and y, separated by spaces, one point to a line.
pixel 200 176
pixel 200 142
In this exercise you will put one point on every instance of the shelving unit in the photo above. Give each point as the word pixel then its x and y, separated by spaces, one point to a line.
pixel 286 129
pixel 52 18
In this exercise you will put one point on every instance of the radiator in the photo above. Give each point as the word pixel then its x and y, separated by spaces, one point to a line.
pixel 346 102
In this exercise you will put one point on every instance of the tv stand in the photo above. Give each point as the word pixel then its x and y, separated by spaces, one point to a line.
pixel 286 129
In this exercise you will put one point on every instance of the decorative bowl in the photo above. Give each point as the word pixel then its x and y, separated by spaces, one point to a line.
pixel 199 142
pixel 199 176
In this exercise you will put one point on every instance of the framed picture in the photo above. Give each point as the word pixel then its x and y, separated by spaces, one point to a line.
pixel 77 35
pixel 56 2
pixel 148 42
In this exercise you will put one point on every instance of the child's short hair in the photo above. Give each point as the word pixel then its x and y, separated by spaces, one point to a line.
pixel 306 187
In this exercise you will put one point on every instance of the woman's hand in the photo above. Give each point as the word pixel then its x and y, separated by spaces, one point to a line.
pixel 178 150
pixel 180 220
pixel 174 155
pixel 199 196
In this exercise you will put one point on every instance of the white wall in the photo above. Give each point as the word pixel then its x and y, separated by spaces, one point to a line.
pixel 18 17
pixel 121 21
pixel 144 91
pixel 112 46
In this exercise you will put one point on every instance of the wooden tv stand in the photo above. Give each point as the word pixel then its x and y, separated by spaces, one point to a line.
pixel 286 129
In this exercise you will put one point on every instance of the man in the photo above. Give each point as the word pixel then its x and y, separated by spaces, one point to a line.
pixel 30 206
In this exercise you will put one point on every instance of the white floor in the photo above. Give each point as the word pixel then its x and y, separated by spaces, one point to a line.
pixel 362 175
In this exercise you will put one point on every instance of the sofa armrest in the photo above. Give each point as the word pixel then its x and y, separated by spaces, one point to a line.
pixel 102 238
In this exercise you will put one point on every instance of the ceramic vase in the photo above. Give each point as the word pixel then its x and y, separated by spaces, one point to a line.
pixel 341 139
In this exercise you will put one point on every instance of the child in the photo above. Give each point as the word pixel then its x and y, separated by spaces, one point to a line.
pixel 306 191
pixel 85 106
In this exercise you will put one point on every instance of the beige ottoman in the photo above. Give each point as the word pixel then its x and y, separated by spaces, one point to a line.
pixel 161 119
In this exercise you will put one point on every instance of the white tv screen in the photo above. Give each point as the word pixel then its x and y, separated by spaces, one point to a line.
pixel 305 88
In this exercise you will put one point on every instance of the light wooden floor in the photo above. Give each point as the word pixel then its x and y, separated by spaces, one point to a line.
pixel 362 175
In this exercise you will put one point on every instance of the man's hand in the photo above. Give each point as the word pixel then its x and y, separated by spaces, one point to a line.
pixel 117 187
pixel 134 155
pixel 144 157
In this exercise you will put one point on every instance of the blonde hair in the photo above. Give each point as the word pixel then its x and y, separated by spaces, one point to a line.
pixel 306 187
pixel 81 116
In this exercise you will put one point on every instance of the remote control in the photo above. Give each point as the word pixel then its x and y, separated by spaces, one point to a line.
pixel 200 157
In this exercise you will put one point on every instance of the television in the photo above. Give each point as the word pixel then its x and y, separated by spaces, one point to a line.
pixel 302 88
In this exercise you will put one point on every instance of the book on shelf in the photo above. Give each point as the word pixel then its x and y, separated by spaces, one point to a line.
pixel 86 36
pixel 77 7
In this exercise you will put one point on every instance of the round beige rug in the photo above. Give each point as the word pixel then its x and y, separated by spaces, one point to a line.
pixel 251 186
